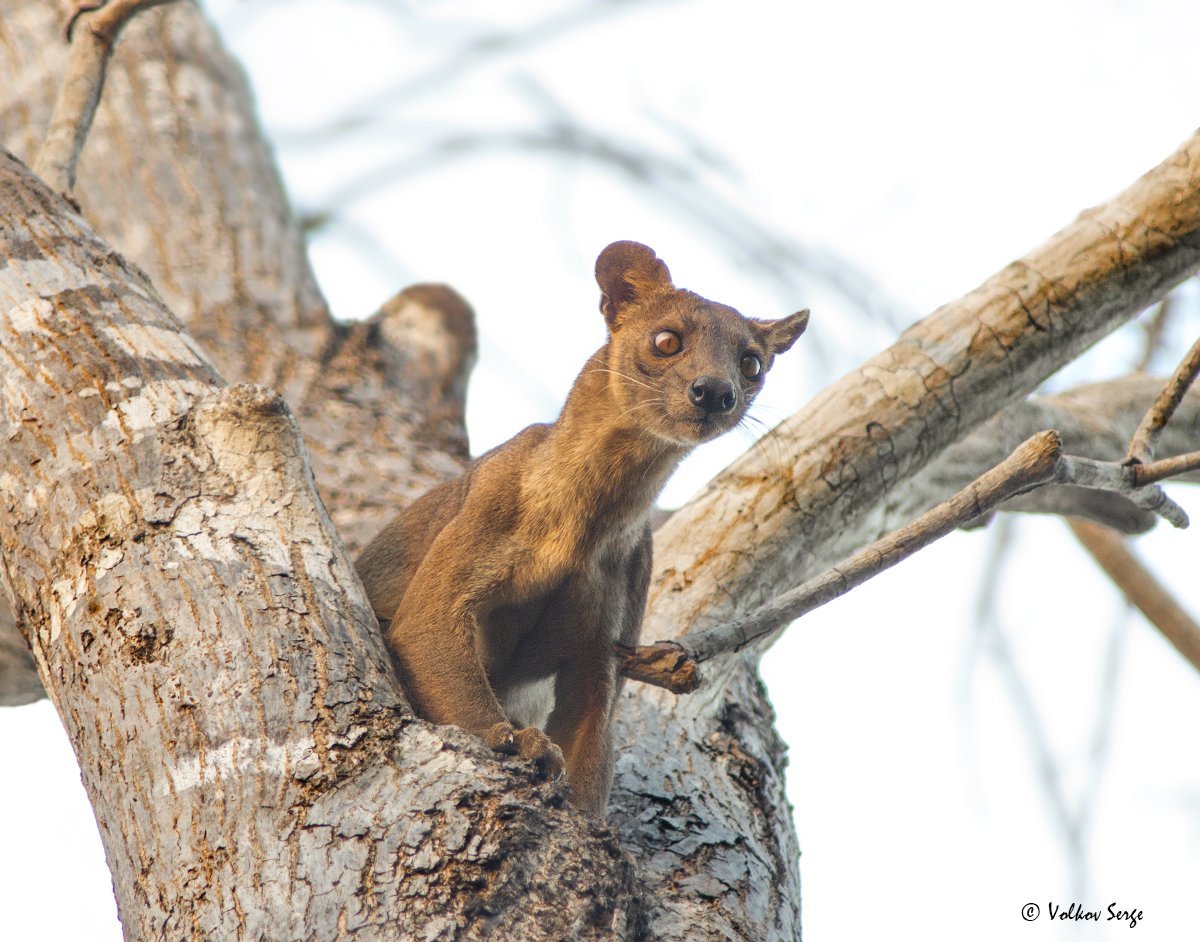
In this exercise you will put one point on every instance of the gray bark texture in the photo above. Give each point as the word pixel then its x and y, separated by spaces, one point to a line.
pixel 189 602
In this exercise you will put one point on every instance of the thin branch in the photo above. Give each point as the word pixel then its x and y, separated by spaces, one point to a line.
pixel 1036 462
pixel 1141 446
pixel 1144 474
pixel 82 84
pixel 1138 584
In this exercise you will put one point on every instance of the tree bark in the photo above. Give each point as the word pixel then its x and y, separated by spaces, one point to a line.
pixel 178 177
pixel 823 488
pixel 192 612
pixel 221 676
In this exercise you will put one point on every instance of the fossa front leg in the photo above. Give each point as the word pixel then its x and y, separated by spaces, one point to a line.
pixel 433 638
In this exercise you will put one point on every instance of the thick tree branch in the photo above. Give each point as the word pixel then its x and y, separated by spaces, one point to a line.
pixel 1036 462
pixel 384 418
pixel 835 471
pixel 178 177
pixel 837 458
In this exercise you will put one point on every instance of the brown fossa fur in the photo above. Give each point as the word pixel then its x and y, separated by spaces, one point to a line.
pixel 506 589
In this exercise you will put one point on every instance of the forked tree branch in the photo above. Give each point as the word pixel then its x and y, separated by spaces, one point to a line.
pixel 1122 479
pixel 82 84
pixel 1036 462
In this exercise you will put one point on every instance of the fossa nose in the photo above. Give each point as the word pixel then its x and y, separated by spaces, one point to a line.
pixel 712 394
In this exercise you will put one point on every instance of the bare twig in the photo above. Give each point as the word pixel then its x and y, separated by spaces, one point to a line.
pixel 1141 446
pixel 1140 587
pixel 84 81
pixel 1036 462
pixel 1144 474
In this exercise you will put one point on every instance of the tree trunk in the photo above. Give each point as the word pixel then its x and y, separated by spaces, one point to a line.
pixel 178 177
pixel 196 620
pixel 190 605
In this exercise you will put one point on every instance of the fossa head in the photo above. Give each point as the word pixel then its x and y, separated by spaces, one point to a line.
pixel 683 368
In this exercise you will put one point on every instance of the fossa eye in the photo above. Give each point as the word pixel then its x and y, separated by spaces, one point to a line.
pixel 667 343
pixel 751 366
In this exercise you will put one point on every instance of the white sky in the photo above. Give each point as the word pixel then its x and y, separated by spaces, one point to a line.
pixel 925 143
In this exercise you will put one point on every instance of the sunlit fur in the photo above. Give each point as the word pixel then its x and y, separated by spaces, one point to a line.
pixel 506 588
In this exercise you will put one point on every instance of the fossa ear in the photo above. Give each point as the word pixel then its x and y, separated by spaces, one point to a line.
pixel 628 272
pixel 781 334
